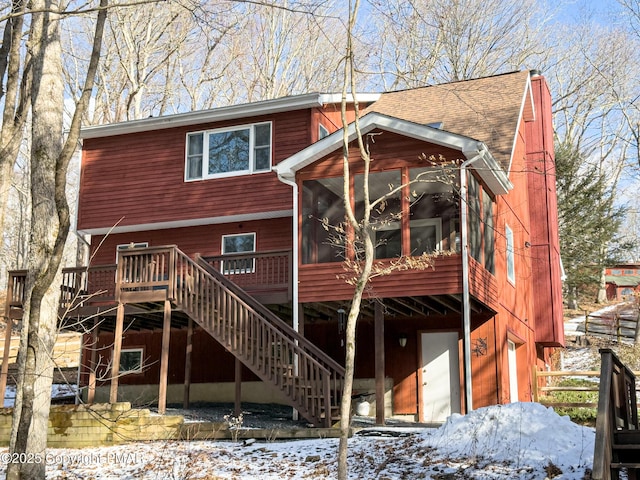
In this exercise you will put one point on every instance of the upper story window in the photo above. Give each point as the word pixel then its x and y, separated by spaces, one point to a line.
pixel 511 262
pixel 228 151
pixel 322 131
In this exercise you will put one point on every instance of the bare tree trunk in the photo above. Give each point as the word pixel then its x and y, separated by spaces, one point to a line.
pixel 350 358
pixel 13 116
pixel 49 228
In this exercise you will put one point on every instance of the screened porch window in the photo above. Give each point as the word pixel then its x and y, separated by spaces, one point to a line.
pixel 474 218
pixel 386 217
pixel 432 207
pixel 235 244
pixel 322 212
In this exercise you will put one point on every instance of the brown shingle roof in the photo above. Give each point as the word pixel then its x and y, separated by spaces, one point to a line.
pixel 485 109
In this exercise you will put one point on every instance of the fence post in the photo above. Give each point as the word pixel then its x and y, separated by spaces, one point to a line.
pixel 636 337
pixel 586 322
pixel 536 396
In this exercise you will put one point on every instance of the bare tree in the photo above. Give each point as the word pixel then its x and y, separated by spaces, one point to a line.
pixel 359 228
pixel 594 79
pixel 296 53
pixel 15 74
pixel 50 222
pixel 434 41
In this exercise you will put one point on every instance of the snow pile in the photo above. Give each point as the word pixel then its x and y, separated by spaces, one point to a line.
pixel 518 437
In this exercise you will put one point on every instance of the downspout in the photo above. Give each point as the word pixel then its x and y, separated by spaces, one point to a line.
pixel 466 307
pixel 294 267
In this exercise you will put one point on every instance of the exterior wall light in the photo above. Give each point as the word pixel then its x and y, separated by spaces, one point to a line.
pixel 402 340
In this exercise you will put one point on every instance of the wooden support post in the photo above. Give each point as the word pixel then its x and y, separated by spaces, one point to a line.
pixel 164 359
pixel 187 365
pixel 379 361
pixel 91 392
pixel 117 348
pixel 238 399
pixel 4 373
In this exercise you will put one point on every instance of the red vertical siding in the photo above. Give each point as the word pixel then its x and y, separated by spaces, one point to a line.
pixel 272 234
pixel 545 245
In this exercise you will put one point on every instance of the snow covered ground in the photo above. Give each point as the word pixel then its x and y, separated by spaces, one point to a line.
pixel 514 441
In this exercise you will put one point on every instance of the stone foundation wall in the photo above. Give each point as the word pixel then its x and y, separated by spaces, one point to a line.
pixel 99 424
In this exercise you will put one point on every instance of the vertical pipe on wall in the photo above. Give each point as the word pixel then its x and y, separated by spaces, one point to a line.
pixel 466 307
pixel 294 267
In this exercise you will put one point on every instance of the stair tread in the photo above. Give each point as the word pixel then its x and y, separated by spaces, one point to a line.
pixel 625 464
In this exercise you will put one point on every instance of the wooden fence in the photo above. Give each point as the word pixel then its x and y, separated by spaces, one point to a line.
pixel 541 393
pixel 616 325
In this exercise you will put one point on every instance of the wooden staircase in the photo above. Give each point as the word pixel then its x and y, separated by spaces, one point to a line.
pixel 307 379
pixel 617 445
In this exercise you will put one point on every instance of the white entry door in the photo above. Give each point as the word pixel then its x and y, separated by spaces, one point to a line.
pixel 513 371
pixel 440 376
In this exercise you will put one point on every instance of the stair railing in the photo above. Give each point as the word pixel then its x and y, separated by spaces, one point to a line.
pixel 274 351
pixel 617 410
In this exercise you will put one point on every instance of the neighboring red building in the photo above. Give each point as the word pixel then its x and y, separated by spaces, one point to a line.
pixel 237 197
pixel 623 281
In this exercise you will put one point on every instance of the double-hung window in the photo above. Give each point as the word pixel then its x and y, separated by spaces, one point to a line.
pixel 228 151
pixel 238 244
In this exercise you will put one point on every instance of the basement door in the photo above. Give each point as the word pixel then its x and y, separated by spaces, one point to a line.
pixel 440 376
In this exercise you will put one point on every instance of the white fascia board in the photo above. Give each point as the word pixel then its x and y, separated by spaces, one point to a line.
pixel 489 168
pixel 265 107
pixel 196 222
pixel 527 96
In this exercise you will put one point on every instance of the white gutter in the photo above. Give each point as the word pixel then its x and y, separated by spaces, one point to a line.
pixel 230 112
pixel 466 297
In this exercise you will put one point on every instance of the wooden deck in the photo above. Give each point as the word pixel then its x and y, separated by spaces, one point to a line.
pixel 158 281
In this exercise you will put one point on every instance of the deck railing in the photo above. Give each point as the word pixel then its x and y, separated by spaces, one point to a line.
pixel 81 284
pixel 15 289
pixel 256 271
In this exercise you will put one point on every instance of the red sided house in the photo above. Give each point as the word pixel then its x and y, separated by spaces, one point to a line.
pixel 623 281
pixel 212 276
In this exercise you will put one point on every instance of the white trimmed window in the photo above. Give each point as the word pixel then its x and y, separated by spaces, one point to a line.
pixel 235 244
pixel 228 151
pixel 322 131
pixel 131 360
pixel 511 267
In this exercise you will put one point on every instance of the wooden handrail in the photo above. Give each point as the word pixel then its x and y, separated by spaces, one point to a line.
pixel 617 411
pixel 256 271
pixel 331 363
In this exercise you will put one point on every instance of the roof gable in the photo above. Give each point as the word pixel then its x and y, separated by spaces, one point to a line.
pixel 485 164
pixel 488 109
